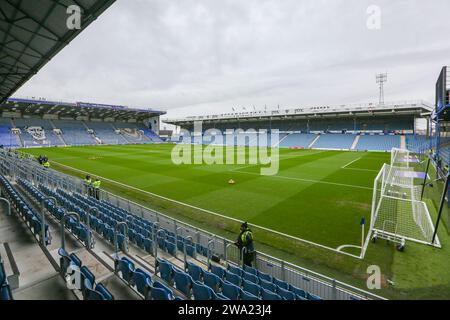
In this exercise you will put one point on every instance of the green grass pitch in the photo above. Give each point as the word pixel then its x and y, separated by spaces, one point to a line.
pixel 317 195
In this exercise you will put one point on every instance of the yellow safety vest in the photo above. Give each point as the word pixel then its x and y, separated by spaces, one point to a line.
pixel 88 181
pixel 244 237
pixel 46 164
pixel 96 184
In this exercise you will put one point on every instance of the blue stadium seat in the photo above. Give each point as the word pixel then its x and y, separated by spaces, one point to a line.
pixel 248 296
pixel 286 294
pixel 233 278
pixel 268 295
pixel 148 245
pixel 103 291
pixel 230 291
pixel 74 259
pixel 265 276
pixel 251 287
pixel 171 248
pixel 160 291
pixel 195 271
pixel 235 270
pixel 218 271
pixel 299 292
pixel 165 269
pixel 250 277
pixel 268 285
pixel 183 282
pixel 251 270
pixel 282 284
pixel 310 296
pixel 202 292
pixel 143 282
pixel 211 280
pixel 126 268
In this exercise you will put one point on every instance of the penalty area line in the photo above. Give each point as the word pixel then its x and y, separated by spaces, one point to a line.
pixel 210 212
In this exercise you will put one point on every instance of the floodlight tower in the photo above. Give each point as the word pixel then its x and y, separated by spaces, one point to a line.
pixel 381 79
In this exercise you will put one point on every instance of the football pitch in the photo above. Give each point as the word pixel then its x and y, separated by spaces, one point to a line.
pixel 318 196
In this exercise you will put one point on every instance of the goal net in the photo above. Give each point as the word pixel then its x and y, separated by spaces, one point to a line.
pixel 397 212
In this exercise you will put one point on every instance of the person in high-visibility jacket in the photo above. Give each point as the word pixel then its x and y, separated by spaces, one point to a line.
pixel 46 164
pixel 245 240
pixel 88 184
pixel 96 186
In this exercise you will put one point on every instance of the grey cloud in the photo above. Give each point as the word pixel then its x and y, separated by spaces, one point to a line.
pixel 206 56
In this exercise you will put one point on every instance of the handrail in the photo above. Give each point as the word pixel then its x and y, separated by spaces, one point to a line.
pixel 209 251
pixel 156 241
pixel 185 252
pixel 63 222
pixel 8 203
pixel 125 241
pixel 302 272
pixel 43 216
pixel 154 231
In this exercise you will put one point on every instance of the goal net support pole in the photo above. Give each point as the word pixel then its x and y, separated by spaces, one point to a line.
pixel 441 207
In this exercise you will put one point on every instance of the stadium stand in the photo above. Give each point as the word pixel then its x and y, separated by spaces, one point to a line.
pixel 334 141
pixel 378 142
pixel 198 278
pixel 297 140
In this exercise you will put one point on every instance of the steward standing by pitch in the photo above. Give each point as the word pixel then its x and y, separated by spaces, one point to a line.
pixel 245 240
pixel 96 185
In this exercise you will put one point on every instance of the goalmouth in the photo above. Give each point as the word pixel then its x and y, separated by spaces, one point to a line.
pixel 398 214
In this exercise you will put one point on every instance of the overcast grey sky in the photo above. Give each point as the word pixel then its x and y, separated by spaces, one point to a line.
pixel 207 56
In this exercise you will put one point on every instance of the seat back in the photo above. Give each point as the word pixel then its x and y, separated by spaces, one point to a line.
pixel 268 295
pixel 251 287
pixel 211 280
pixel 195 271
pixel 233 278
pixel 183 281
pixel 202 292
pixel 230 291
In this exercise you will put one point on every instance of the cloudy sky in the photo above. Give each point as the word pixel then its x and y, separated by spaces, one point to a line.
pixel 206 56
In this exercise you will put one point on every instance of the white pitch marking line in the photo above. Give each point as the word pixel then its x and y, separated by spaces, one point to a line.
pixel 353 161
pixel 212 212
pixel 308 180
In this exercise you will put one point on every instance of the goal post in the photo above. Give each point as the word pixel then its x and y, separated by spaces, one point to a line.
pixel 398 214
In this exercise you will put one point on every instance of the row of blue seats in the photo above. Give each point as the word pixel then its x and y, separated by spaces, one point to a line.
pixel 88 286
pixel 80 230
pixel 28 214
pixel 142 281
pixel 255 280
pixel 251 280
pixel 5 290
pixel 140 231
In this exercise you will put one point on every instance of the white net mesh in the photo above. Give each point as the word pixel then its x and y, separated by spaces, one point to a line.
pixel 396 208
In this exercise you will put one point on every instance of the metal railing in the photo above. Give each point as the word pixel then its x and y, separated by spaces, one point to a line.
pixel 311 281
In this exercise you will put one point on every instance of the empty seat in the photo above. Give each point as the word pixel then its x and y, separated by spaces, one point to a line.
pixel 268 285
pixel 143 282
pixel 195 271
pixel 311 296
pixel 230 290
pixel 233 278
pixel 299 292
pixel 211 280
pixel 269 295
pixel 235 270
pixel 165 269
pixel 286 294
pixel 202 292
pixel 218 271
pixel 126 268
pixel 251 270
pixel 250 277
pixel 282 284
pixel 183 281
pixel 160 291
pixel 248 296
pixel 251 287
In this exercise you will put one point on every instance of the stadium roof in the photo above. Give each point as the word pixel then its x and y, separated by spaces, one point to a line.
pixel 351 110
pixel 33 31
pixel 38 108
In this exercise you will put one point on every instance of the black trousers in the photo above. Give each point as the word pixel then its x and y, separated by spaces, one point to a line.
pixel 97 193
pixel 249 257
